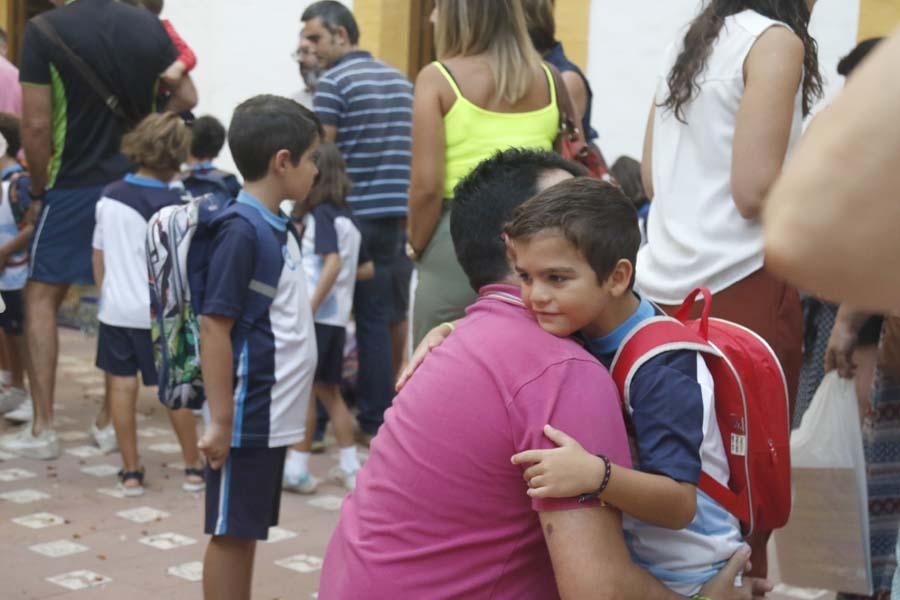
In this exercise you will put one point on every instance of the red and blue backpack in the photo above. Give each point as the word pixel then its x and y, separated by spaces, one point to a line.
pixel 751 400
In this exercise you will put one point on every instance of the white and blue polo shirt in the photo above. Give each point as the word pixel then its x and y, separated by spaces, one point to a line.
pixel 274 356
pixel 15 272
pixel 676 434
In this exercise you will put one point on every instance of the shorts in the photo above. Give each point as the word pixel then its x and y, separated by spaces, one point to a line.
pixel 61 248
pixel 330 340
pixel 12 320
pixel 122 351
pixel 243 498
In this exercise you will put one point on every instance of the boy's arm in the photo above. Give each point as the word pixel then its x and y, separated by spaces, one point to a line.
pixel 18 243
pixel 570 470
pixel 186 56
pixel 365 271
pixel 218 380
pixel 330 271
pixel 98 267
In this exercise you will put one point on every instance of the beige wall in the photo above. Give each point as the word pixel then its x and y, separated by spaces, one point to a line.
pixel 878 18
pixel 572 23
pixel 385 27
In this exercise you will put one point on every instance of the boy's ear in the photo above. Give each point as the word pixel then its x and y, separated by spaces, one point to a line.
pixel 281 161
pixel 622 277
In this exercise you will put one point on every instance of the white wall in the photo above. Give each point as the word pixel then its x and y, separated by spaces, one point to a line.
pixel 627 40
pixel 243 49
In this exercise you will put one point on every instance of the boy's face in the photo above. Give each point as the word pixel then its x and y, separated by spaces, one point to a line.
pixel 299 179
pixel 558 284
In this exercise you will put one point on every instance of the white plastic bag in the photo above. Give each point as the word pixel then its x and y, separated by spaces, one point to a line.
pixel 825 544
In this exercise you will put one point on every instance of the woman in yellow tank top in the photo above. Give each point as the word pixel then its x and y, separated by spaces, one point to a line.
pixel 488 92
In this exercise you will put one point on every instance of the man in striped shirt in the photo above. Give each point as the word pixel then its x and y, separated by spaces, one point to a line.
pixel 366 108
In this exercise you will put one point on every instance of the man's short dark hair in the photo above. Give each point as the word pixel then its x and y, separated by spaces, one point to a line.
pixel 207 137
pixel 9 128
pixel 594 216
pixel 485 200
pixel 264 125
pixel 850 62
pixel 333 15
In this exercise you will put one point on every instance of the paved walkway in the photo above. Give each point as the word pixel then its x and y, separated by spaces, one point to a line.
pixel 65 533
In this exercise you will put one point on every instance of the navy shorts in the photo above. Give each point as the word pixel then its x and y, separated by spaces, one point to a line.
pixel 13 318
pixel 61 249
pixel 244 496
pixel 123 352
pixel 330 341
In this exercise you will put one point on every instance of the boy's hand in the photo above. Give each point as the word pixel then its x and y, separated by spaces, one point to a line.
pixel 215 445
pixel 562 472
pixel 722 586
pixel 432 340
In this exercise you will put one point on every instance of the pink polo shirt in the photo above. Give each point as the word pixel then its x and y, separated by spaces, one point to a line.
pixel 439 510
pixel 10 89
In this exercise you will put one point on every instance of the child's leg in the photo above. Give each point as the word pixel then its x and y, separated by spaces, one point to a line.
pixel 121 395
pixel 185 428
pixel 296 465
pixel 5 349
pixel 228 568
pixel 15 355
pixel 341 419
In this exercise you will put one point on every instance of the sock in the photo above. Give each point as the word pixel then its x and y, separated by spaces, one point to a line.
pixel 297 464
pixel 349 460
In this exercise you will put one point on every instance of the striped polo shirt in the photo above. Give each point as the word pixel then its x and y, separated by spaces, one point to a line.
pixel 370 104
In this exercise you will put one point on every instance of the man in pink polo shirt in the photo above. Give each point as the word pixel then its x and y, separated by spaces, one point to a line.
pixel 439 510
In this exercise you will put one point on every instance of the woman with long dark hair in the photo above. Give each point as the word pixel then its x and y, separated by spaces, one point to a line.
pixel 728 109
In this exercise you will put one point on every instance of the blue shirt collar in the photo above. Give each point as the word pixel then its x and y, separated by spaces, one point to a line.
pixel 5 174
pixel 609 343
pixel 147 182
pixel 203 166
pixel 278 222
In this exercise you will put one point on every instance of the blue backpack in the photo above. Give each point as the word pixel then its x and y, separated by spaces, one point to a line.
pixel 179 240
pixel 213 181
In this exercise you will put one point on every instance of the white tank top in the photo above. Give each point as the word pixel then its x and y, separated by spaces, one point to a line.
pixel 696 235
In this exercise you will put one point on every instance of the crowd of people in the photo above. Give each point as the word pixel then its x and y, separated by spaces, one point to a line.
pixel 500 463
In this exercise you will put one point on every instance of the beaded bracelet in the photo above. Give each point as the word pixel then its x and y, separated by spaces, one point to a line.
pixel 593 495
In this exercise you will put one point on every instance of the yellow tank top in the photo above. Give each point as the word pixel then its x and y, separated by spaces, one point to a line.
pixel 473 134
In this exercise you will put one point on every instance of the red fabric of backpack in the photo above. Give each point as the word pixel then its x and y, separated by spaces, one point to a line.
pixel 751 400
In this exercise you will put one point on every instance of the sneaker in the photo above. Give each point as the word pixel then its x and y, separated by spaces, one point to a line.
pixel 131 491
pixel 300 485
pixel 345 478
pixel 105 438
pixel 44 446
pixel 22 412
pixel 11 398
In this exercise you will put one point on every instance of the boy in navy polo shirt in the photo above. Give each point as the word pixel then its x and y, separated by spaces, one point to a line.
pixel 257 340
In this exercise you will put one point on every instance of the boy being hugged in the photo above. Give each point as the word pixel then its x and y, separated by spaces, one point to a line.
pixel 124 347
pixel 257 340
pixel 574 248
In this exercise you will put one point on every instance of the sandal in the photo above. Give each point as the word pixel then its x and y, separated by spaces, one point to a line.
pixel 132 491
pixel 194 486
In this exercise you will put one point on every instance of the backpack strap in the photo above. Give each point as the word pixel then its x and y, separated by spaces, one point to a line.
pixel 648 340
pixel 735 504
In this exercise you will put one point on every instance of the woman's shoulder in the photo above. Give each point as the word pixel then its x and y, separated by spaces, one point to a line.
pixel 756 24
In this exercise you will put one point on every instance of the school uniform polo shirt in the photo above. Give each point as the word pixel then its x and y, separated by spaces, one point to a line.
pixel 121 233
pixel 274 356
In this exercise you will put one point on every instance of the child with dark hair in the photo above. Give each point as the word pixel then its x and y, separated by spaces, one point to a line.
pixel 157 147
pixel 627 173
pixel 333 259
pixel 574 247
pixel 207 140
pixel 257 344
pixel 14 236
